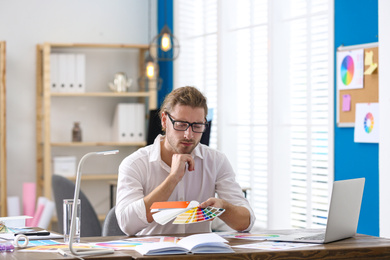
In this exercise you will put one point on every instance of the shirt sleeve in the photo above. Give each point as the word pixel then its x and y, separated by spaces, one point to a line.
pixel 130 207
pixel 228 189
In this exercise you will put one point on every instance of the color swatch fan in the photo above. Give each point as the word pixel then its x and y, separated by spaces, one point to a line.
pixel 185 212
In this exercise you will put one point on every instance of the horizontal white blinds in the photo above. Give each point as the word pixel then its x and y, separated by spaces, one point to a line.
pixel 196 27
pixel 310 110
pixel 249 36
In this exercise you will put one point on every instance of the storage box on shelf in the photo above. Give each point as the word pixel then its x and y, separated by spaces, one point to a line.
pixel 93 106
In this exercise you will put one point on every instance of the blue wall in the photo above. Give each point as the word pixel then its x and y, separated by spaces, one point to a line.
pixel 356 22
pixel 165 15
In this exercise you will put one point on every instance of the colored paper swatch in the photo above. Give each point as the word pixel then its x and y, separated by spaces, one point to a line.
pixel 198 215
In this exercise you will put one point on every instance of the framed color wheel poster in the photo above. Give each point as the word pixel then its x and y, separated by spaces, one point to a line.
pixel 350 69
pixel 367 123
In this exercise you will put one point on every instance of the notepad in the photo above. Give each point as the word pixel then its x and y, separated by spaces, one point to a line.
pixel 196 244
pixel 184 212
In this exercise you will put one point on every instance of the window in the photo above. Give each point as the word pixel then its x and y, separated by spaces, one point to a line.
pixel 266 67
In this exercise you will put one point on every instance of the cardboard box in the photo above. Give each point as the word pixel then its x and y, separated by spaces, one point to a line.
pixel 64 165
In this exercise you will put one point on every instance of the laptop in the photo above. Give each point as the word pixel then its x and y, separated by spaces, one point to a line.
pixel 343 215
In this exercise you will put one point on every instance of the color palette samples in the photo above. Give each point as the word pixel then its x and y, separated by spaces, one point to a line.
pixel 347 70
pixel 198 215
pixel 184 212
pixel 368 122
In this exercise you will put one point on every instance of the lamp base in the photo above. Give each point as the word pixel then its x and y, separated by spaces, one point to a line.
pixel 85 251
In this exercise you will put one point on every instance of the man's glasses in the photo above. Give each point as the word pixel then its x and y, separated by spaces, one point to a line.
pixel 183 125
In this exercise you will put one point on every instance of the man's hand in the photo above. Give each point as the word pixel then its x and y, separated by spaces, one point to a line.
pixel 179 163
pixel 212 202
pixel 236 217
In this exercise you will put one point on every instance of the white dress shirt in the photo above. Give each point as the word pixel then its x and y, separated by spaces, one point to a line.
pixel 142 171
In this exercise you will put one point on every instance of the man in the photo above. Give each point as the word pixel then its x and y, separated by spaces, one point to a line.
pixel 177 168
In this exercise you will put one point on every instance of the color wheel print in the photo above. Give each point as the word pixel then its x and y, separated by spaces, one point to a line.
pixel 368 123
pixel 347 69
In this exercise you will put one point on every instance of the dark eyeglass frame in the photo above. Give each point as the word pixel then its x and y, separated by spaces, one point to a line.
pixel 188 125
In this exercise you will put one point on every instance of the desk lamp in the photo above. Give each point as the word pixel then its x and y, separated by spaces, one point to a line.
pixel 83 251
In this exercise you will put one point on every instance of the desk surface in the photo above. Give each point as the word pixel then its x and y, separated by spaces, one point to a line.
pixel 358 247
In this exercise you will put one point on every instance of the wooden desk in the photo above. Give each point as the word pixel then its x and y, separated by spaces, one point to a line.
pixel 358 247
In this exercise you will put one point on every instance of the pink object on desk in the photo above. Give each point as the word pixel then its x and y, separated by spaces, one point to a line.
pixel 38 213
pixel 29 194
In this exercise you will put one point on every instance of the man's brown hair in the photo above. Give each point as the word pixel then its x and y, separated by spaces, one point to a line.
pixel 185 96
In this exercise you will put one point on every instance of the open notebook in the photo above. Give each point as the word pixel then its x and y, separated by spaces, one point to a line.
pixel 343 215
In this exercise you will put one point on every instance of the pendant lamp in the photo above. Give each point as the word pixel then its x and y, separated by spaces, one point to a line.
pixel 165 43
pixel 150 78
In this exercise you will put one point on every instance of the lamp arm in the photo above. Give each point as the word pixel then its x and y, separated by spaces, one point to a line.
pixel 86 251
pixel 75 200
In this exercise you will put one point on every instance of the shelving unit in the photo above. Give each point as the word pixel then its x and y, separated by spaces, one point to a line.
pixel 3 151
pixel 47 147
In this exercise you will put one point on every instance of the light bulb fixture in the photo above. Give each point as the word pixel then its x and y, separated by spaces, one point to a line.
pixel 83 251
pixel 151 68
pixel 166 45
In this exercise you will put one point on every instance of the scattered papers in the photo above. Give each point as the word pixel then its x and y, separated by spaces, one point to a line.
pixel 185 212
pixel 53 247
pixel 271 245
pixel 247 236
pixel 200 243
pixel 131 243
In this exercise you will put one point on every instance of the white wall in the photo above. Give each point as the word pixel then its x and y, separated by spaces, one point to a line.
pixel 23 25
pixel 384 110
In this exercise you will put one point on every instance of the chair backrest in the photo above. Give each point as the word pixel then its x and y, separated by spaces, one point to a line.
pixel 154 128
pixel 110 225
pixel 64 189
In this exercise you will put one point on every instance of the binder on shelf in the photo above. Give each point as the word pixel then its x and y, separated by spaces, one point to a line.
pixel 54 83
pixel 71 73
pixel 129 123
pixel 120 131
pixel 80 73
pixel 139 123
pixel 62 72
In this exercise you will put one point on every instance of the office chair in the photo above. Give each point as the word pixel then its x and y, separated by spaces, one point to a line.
pixel 154 128
pixel 64 189
pixel 110 225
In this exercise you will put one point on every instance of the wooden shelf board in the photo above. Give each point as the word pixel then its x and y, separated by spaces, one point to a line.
pixel 95 177
pixel 94 45
pixel 102 94
pixel 73 144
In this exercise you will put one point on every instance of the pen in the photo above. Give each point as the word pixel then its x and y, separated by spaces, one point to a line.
pixel 38 233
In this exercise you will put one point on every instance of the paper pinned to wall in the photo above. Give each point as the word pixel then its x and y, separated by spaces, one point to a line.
pixel 350 69
pixel 346 102
pixel 367 123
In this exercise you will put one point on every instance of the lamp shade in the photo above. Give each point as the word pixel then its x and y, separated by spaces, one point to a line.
pixel 166 45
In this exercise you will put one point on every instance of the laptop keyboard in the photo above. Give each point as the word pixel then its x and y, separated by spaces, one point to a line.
pixel 320 236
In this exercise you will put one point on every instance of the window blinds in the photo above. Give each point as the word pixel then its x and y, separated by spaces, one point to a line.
pixel 247 34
